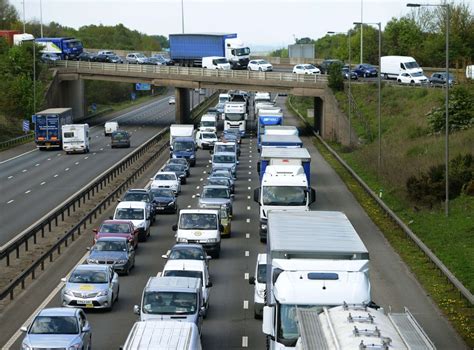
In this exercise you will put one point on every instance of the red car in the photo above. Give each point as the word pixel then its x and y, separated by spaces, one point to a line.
pixel 117 228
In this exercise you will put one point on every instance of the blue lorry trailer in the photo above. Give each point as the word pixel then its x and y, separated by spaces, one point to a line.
pixel 48 125
pixel 287 141
pixel 267 119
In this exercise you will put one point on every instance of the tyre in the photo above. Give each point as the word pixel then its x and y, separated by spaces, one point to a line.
pixel 385 76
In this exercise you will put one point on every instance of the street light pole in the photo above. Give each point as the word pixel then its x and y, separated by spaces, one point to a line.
pixel 379 87
pixel 182 16
pixel 24 18
pixel 361 31
pixel 41 17
pixel 446 103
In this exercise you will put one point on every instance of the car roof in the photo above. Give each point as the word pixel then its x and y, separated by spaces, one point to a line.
pixel 116 222
pixel 132 205
pixel 112 239
pixel 187 246
pixel 58 311
pixel 185 265
pixel 165 173
pixel 172 283
pixel 214 186
pixel 137 190
pixel 198 211
pixel 226 153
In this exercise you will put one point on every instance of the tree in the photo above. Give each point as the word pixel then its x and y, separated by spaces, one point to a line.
pixel 8 15
pixel 336 80
pixel 402 37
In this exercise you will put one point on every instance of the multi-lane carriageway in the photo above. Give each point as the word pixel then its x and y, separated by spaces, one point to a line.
pixel 230 324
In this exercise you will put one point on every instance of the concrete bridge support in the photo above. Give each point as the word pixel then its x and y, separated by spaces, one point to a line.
pixel 318 115
pixel 182 105
pixel 72 95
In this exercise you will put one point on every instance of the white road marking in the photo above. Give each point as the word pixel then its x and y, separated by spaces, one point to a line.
pixel 246 304
pixel 250 167
pixel 197 187
pixel 67 169
pixel 247 253
pixel 249 188
pixel 247 235
pixel 250 156
pixel 101 149
pixel 250 180
pixel 246 276
pixel 18 156
pixel 86 157
pixel 248 221
pixel 49 159
pixel 248 207
pixel 26 192
pixel 248 197
pixel 10 177
pixel 24 171
pixel 46 301
pixel 41 184
pixel 189 206
pixel 204 172
pixel 37 164
pixel 10 201
pixel 201 179
pixel 250 161
pixel 250 173
pixel 94 154
pixel 55 175
pixel 77 163
pixel 194 196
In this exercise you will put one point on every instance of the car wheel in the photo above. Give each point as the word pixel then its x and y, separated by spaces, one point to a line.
pixel 365 75
pixel 399 81
pixel 412 82
pixel 385 76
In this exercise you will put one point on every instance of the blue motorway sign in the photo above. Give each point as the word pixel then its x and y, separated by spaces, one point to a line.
pixel 142 87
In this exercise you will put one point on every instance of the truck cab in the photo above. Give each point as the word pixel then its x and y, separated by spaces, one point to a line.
pixel 184 147
pixel 235 116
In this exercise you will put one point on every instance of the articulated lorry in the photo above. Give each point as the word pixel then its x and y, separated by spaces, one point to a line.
pixel 267 117
pixel 285 156
pixel 235 116
pixel 182 143
pixel 67 48
pixel 189 49
pixel 350 327
pixel 283 188
pixel 48 127
pixel 315 260
pixel 287 141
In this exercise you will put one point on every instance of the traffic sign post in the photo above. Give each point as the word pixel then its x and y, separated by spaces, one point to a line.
pixel 26 126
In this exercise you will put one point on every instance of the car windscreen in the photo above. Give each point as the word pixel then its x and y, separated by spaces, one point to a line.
pixel 262 273
pixel 309 66
pixel 187 146
pixel 209 123
pixel 218 182
pixel 162 192
pixel 186 253
pixel 119 135
pixel 234 117
pixel 169 303
pixel 223 158
pixel 174 167
pixel 165 177
pixel 224 148
pixel 54 325
pixel 215 193
pixel 411 65
pixel 219 61
pixel 189 221
pixel 88 276
pixel 241 52
pixel 417 74
pixel 129 214
pixel 136 197
pixel 114 228
pixel 209 135
pixel 110 246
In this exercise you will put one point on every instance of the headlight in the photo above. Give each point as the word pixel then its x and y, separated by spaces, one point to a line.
pixel 212 240
pixel 103 293
pixel 121 261
pixel 181 240
pixel 92 261
pixel 171 203
pixel 68 292
pixel 141 224
pixel 192 156
pixel 25 346
pixel 174 156
pixel 75 346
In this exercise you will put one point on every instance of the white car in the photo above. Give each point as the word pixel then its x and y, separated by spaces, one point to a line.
pixel 136 58
pixel 172 100
pixel 260 283
pixel 260 65
pixel 412 78
pixel 306 69
pixel 166 179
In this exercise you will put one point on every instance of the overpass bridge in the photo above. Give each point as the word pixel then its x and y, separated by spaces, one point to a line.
pixel 71 74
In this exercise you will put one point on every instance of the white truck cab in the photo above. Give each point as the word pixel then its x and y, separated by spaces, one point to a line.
pixel 76 138
pixel 201 226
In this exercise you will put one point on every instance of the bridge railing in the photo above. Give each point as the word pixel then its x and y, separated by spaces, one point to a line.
pixel 191 72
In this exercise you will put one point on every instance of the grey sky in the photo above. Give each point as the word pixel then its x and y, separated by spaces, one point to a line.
pixel 257 22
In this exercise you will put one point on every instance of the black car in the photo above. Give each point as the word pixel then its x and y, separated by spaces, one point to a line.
pixel 164 200
pixel 324 66
pixel 178 169
pixel 86 56
pixel 187 251
pixel 182 161
pixel 116 251
pixel 345 74
pixel 163 60
pixel 120 138
pixel 439 79
pixel 140 195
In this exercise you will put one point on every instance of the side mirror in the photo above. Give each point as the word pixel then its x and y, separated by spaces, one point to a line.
pixel 268 320
pixel 119 200
pixel 237 162
pixel 88 248
pixel 198 195
pixel 208 257
pixel 64 279
pixel 232 195
pixel 256 195
pixel 174 227
pixel 24 329
pixel 164 256
pixel 136 309
pixel 111 217
pixel 312 198
pixel 202 311
pixel 209 285
pixel 251 280
pixel 86 328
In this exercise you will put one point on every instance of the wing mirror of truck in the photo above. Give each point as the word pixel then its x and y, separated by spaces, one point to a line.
pixel 252 280
pixel 111 217
pixel 174 227
pixel 256 195
pixel 268 319
pixel 312 198
pixel 258 167
pixel 209 285
pixel 136 309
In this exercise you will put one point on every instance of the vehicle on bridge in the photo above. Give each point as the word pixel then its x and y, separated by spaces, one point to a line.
pixel 48 125
pixel 68 48
pixel 235 116
pixel 76 138
pixel 215 62
pixel 189 49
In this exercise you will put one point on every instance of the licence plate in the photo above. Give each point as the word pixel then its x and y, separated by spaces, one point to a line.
pixel 85 303
pixel 160 208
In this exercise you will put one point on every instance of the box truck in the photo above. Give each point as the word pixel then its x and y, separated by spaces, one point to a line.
pixel 48 125
pixel 189 49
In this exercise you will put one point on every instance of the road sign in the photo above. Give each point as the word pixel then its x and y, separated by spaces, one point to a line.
pixel 142 87
pixel 133 96
pixel 26 125
pixel 94 107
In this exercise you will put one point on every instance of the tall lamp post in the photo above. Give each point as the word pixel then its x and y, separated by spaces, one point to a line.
pixel 446 146
pixel 379 158
pixel 41 17
pixel 350 73
pixel 182 16
pixel 361 31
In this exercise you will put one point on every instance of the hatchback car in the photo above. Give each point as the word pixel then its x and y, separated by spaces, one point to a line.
pixel 182 161
pixel 187 252
pixel 178 169
pixel 49 57
pixel 166 180
pixel 412 79
pixel 346 72
pixel 214 197
pixel 91 286
pixel 439 79
pixel 58 328
pixel 260 65
pixel 365 70
pixel 165 200
pixel 117 228
pixel 223 172
pixel 136 58
pixel 225 160
pixel 306 69
pixel 114 251
pixel 120 138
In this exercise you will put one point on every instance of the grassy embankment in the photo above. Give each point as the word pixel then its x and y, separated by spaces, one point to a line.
pixel 408 148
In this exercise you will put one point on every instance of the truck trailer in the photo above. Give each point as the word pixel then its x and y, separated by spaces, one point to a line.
pixel 288 141
pixel 285 156
pixel 48 125
pixel 315 259
pixel 189 49
pixel 8 35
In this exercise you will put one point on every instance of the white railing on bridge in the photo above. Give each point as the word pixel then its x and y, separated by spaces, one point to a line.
pixel 187 71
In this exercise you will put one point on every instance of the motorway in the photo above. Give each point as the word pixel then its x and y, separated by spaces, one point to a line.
pixel 230 324
pixel 35 182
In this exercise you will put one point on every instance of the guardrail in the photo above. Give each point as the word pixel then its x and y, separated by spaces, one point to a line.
pixel 187 72
pixel 96 185
pixel 16 141
pixel 408 232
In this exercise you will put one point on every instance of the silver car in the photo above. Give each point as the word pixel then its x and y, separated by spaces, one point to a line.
pixel 215 197
pixel 227 160
pixel 91 286
pixel 58 328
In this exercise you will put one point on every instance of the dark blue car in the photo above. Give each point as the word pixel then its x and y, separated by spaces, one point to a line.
pixel 365 70
pixel 165 200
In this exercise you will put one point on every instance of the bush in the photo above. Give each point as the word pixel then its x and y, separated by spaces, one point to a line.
pixel 336 80
pixel 429 188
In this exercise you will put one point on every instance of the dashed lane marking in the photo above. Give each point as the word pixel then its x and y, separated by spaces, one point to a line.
pixel 76 163
pixel 41 184
pixel 194 196
pixel 246 304
pixel 24 171
pixel 248 208
pixel 197 187
pixel 86 157
pixel 249 188
pixel 48 159
pixel 247 253
pixel 246 276
pixel 55 175
pixel 248 221
pixel 26 192
pixel 67 169
pixel 37 164
pixel 248 197
pixel 247 235
pixel 250 173
pixel 10 201
pixel 10 177
pixel 189 206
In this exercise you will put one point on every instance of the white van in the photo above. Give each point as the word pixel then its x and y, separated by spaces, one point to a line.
pixel 136 212
pixel 208 123
pixel 201 226
pixel 76 138
pixel 215 62
pixel 110 127
pixel 393 66
pixel 157 334
pixel 259 280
